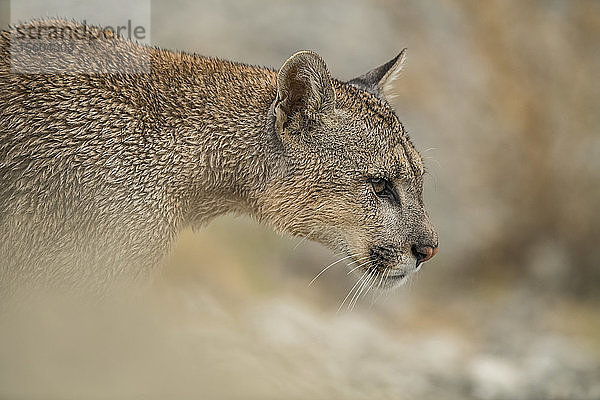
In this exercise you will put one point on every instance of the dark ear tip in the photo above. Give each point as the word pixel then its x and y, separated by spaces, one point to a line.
pixel 403 52
pixel 400 57
pixel 372 81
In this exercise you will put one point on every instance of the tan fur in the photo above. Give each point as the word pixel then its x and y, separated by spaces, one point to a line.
pixel 98 172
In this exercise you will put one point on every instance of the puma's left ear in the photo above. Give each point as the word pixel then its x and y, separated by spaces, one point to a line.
pixel 304 90
pixel 381 81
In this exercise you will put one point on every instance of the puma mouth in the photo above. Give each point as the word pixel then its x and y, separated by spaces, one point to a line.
pixel 384 277
pixel 395 277
pixel 389 278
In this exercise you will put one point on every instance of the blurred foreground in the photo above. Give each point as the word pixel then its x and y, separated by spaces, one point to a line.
pixel 222 325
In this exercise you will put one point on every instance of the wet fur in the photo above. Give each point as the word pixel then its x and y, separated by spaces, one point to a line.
pixel 99 172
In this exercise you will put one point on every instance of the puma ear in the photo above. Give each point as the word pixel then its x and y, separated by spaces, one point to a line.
pixel 381 81
pixel 304 90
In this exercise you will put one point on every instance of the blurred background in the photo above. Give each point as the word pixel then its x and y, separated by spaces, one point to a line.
pixel 502 98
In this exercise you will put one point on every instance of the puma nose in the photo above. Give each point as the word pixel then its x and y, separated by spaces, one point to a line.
pixel 424 253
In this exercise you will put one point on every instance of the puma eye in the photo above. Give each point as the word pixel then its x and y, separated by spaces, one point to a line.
pixel 379 185
pixel 382 188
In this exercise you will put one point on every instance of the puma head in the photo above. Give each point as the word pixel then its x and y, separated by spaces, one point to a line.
pixel 348 175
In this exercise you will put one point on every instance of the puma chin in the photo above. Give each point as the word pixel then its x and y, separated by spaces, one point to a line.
pixel 385 273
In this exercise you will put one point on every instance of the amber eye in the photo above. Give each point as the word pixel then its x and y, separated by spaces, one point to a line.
pixel 379 185
pixel 383 188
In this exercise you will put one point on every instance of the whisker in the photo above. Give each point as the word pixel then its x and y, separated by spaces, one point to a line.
pixel 384 276
pixel 329 266
pixel 358 266
pixel 371 283
pixel 357 295
pixel 377 295
pixel 358 290
pixel 357 260
pixel 367 287
pixel 304 239
pixel 371 287
pixel 350 291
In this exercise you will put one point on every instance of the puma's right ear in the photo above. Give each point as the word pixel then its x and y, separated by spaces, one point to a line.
pixel 304 90
pixel 381 81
